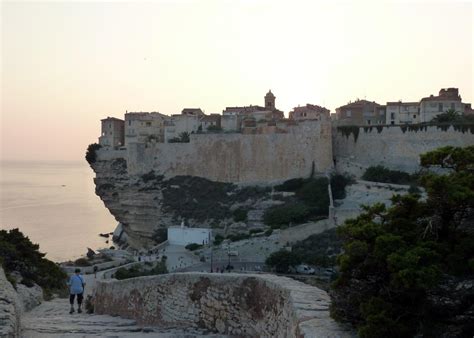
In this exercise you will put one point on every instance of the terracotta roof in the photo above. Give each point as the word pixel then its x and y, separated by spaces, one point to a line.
pixel 112 118
pixel 359 103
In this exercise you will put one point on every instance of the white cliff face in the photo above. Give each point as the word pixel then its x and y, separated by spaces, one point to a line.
pixel 10 309
pixel 146 204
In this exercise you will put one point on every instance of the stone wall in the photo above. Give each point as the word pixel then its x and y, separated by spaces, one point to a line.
pixel 233 304
pixel 9 309
pixel 394 147
pixel 234 157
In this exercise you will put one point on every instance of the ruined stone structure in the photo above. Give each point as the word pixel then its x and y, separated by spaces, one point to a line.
pixel 232 304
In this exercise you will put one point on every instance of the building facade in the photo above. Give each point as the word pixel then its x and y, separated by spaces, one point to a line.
pixel 361 112
pixel 309 112
pixel 448 99
pixel 144 126
pixel 112 132
pixel 402 112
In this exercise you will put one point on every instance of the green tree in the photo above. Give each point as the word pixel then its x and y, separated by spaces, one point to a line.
pixel 91 155
pixel 449 115
pixel 393 258
pixel 282 260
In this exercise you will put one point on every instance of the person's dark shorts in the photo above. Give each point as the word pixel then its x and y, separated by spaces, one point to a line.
pixel 80 296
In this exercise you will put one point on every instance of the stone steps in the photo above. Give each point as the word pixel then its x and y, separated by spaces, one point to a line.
pixel 52 319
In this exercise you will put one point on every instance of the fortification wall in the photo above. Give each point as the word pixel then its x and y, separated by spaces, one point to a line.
pixel 10 308
pixel 395 147
pixel 237 158
pixel 233 304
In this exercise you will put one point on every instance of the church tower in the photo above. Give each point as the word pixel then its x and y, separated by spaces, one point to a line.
pixel 270 101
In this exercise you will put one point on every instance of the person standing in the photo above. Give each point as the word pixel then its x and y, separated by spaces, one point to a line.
pixel 76 288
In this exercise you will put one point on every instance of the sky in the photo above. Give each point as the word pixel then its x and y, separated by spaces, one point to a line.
pixel 66 65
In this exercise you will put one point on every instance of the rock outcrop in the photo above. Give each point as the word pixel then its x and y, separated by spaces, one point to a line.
pixel 10 309
pixel 144 204
pixel 231 304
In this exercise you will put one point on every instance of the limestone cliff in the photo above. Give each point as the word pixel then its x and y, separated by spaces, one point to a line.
pixel 146 204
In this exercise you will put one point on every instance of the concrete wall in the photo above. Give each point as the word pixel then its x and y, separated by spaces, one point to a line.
pixel 392 147
pixel 233 304
pixel 239 158
pixel 10 309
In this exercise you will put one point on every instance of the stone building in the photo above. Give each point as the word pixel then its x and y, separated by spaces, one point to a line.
pixel 144 126
pixel 112 132
pixel 309 112
pixel 432 106
pixel 361 112
pixel 212 120
pixel 181 123
pixel 402 112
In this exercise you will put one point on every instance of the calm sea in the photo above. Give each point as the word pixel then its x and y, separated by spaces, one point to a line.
pixel 54 204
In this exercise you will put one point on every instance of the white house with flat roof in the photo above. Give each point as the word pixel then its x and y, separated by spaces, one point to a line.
pixel 182 235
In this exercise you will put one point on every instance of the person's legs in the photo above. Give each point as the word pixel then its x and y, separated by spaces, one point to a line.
pixel 79 302
pixel 71 301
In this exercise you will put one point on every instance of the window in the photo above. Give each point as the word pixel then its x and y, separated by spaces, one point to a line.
pixel 392 116
pixel 452 106
pixel 392 123
pixel 414 116
pixel 129 122
pixel 110 125
pixel 368 121
pixel 348 113
pixel 440 107
pixel 148 124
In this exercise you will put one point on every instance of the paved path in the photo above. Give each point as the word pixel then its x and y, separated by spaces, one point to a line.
pixel 52 319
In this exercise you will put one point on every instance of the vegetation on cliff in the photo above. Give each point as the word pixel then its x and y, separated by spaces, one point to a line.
pixel 406 270
pixel 19 254
pixel 91 155
pixel 138 270
pixel 310 202
pixel 320 250
pixel 381 174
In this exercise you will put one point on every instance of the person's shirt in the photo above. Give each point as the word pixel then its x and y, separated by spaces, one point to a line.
pixel 76 283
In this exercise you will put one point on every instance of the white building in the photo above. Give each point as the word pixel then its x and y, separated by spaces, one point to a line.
pixel 181 235
pixel 402 112
pixel 143 127
pixel 432 106
pixel 179 123
pixel 112 132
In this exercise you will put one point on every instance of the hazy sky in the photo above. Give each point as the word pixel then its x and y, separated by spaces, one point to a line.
pixel 67 65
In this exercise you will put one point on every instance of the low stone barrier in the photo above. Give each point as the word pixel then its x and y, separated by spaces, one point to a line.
pixel 233 304
pixel 10 309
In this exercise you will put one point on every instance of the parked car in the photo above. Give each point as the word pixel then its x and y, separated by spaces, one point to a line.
pixel 304 269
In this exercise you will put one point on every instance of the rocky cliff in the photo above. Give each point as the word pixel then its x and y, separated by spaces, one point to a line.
pixel 147 204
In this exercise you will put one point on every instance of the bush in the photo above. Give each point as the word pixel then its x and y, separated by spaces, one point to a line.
pixel 137 271
pixel 283 215
pixel 19 254
pixel 269 232
pixel 338 185
pixel 218 239
pixel 238 237
pixel 91 155
pixel 384 175
pixel 320 249
pixel 193 246
pixel 240 215
pixel 82 262
pixel 214 129
pixel 282 260
pixel 290 185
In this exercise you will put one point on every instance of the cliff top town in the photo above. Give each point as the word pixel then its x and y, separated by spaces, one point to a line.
pixel 267 119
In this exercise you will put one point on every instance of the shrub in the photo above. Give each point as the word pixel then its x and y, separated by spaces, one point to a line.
pixel 381 174
pixel 238 237
pixel 19 254
pixel 319 249
pixel 137 271
pixel 290 185
pixel 338 185
pixel 91 155
pixel 218 239
pixel 283 215
pixel 240 215
pixel 193 246
pixel 82 262
pixel 268 232
pixel 282 260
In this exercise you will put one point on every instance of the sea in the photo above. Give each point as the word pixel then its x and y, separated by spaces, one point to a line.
pixel 54 204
